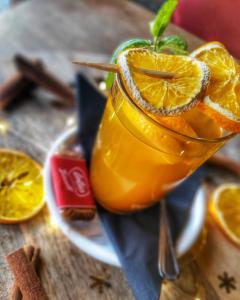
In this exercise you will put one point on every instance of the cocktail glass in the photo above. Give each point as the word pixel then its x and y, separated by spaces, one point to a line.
pixel 136 160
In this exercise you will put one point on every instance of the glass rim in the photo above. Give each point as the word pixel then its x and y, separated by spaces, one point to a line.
pixel 140 110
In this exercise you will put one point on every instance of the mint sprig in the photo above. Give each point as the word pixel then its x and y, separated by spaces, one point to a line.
pixel 162 19
pixel 173 43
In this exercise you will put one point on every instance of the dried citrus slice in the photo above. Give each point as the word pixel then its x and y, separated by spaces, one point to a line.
pixel 163 96
pixel 21 187
pixel 225 208
pixel 222 98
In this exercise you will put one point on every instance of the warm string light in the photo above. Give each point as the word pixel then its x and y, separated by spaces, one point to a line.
pixel 4 126
pixel 102 86
pixel 52 225
pixel 71 121
pixel 4 129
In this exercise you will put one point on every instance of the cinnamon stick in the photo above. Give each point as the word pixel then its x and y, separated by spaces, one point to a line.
pixel 44 79
pixel 25 276
pixel 15 87
pixel 33 256
pixel 224 162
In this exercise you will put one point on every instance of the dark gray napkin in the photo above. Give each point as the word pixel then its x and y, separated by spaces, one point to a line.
pixel 134 236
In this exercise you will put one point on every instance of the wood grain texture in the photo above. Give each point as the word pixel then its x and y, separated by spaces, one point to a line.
pixel 58 31
pixel 87 25
pixel 35 124
pixel 212 255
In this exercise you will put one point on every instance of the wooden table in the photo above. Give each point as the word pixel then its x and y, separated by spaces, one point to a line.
pixel 57 30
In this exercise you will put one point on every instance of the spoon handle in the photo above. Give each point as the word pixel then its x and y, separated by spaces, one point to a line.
pixel 167 260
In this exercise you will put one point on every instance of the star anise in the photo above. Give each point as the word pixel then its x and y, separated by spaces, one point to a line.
pixel 100 282
pixel 227 282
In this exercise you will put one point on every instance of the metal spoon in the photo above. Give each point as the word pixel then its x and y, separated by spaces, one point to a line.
pixel 167 260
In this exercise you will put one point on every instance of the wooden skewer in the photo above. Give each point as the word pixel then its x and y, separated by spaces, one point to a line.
pixel 114 68
pixel 154 73
pixel 105 67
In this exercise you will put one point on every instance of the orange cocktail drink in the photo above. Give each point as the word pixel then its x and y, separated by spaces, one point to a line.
pixel 168 111
pixel 137 160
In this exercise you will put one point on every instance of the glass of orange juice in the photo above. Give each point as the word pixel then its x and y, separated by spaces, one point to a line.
pixel 137 160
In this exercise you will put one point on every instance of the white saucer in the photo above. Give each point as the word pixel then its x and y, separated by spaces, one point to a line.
pixel 90 236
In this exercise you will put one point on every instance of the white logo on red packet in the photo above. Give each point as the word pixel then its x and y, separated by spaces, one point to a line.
pixel 80 181
pixel 76 181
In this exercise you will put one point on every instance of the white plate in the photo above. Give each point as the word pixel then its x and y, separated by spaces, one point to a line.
pixel 90 236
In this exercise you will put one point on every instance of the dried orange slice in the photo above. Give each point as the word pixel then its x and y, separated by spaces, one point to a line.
pixel 225 208
pixel 21 187
pixel 161 96
pixel 222 97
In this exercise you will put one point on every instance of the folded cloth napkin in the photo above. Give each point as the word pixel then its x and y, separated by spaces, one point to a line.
pixel 134 236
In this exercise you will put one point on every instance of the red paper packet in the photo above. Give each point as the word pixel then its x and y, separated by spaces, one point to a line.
pixel 72 187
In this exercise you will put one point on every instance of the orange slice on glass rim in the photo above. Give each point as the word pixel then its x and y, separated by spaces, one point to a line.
pixel 21 187
pixel 222 97
pixel 162 96
pixel 225 209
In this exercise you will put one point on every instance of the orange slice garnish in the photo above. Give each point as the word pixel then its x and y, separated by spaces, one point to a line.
pixel 161 96
pixel 222 97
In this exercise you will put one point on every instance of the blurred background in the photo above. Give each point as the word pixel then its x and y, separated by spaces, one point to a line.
pixel 151 4
pixel 209 20
pixel 55 32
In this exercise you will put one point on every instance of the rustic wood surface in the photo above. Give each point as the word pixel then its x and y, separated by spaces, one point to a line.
pixel 57 31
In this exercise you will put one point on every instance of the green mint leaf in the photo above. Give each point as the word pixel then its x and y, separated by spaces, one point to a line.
pixel 109 80
pixel 173 49
pixel 173 41
pixel 134 43
pixel 163 17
